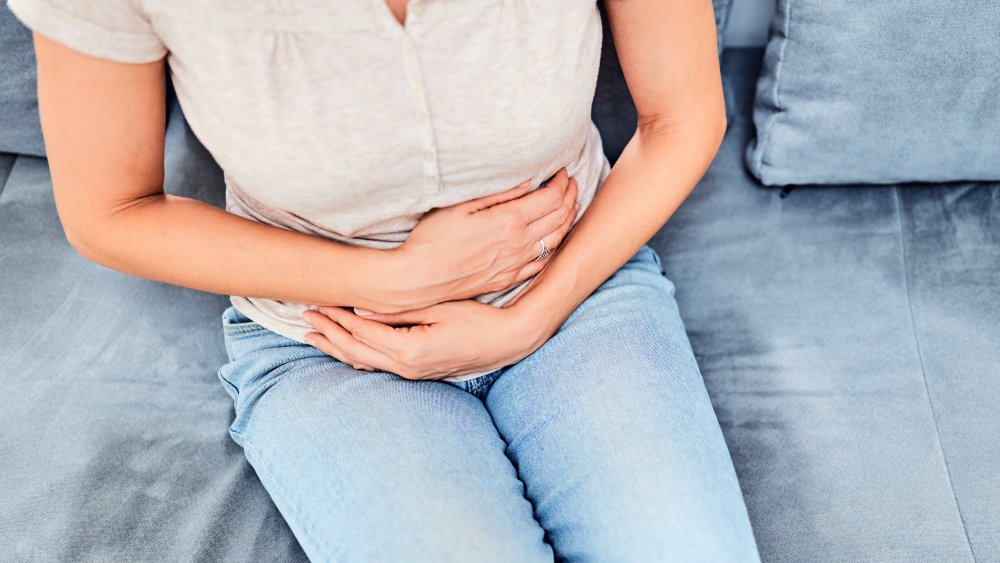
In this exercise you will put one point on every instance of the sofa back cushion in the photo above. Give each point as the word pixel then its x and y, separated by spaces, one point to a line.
pixel 879 92
pixel 20 131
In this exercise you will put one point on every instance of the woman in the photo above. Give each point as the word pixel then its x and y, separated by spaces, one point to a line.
pixel 427 363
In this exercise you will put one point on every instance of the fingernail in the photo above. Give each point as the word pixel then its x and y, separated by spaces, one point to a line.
pixel 306 319
pixel 363 312
pixel 308 340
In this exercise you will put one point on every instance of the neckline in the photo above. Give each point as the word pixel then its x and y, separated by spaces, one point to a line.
pixel 389 19
pixel 406 13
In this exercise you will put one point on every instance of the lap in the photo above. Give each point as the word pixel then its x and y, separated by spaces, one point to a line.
pixel 606 429
pixel 370 466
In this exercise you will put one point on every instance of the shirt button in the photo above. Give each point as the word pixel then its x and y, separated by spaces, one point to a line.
pixel 423 119
pixel 431 181
pixel 415 9
pixel 429 157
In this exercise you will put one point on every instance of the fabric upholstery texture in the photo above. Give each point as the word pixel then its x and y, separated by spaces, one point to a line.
pixel 20 131
pixel 722 9
pixel 879 92
pixel 848 337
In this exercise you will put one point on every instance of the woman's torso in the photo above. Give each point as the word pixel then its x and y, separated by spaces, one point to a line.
pixel 332 118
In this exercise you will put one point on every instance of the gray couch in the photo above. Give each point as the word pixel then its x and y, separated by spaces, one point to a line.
pixel 849 336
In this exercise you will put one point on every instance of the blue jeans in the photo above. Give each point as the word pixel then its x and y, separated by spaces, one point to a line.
pixel 602 445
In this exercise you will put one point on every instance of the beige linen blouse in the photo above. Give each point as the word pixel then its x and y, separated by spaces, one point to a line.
pixel 331 118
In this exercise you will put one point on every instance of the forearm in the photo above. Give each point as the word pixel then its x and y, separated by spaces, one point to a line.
pixel 655 173
pixel 190 243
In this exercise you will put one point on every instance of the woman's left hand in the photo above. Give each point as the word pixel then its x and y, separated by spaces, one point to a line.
pixel 450 338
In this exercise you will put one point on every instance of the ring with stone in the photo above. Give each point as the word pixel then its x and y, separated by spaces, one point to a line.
pixel 544 252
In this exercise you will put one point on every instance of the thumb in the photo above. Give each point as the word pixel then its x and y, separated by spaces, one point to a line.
pixel 413 317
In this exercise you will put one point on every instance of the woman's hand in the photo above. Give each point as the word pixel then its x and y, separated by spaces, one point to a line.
pixel 482 245
pixel 453 338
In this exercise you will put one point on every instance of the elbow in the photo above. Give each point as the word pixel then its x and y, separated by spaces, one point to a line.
pixel 705 130
pixel 80 243
pixel 715 123
pixel 713 127
pixel 719 127
pixel 83 237
pixel 90 229
pixel 722 125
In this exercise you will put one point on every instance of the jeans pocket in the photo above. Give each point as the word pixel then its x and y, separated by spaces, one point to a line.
pixel 655 255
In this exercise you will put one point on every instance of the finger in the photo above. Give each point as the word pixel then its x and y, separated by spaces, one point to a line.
pixel 323 344
pixel 554 239
pixel 478 204
pixel 529 269
pixel 350 350
pixel 554 221
pixel 537 204
pixel 379 336
pixel 552 242
pixel 403 318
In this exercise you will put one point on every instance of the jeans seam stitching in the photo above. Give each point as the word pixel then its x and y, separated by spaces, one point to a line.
pixel 761 160
pixel 235 328
pixel 306 524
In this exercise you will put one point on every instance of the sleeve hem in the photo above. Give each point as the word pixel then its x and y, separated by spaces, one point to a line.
pixel 86 37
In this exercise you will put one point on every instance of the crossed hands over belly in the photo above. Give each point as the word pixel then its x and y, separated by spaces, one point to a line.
pixel 475 247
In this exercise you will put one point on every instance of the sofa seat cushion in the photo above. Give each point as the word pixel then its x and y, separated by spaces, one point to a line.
pixel 850 340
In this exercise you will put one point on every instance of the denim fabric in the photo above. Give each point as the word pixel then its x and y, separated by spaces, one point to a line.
pixel 879 92
pixel 20 130
pixel 602 444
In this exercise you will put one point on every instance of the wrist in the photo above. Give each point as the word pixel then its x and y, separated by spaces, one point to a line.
pixel 547 301
pixel 534 321
pixel 384 286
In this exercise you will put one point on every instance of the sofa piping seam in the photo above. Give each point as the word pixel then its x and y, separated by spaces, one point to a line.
pixel 778 107
pixel 923 371
pixel 3 184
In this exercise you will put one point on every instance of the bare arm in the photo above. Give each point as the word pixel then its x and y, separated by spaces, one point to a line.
pixel 669 59
pixel 103 123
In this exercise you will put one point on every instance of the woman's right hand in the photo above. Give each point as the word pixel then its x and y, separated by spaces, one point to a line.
pixel 483 245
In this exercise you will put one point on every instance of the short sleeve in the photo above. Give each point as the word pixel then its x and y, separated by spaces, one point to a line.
pixel 109 29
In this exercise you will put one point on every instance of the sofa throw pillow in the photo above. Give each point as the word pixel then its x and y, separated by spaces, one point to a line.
pixel 879 92
pixel 20 131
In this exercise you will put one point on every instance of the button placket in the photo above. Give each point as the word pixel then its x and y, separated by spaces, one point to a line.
pixel 432 182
